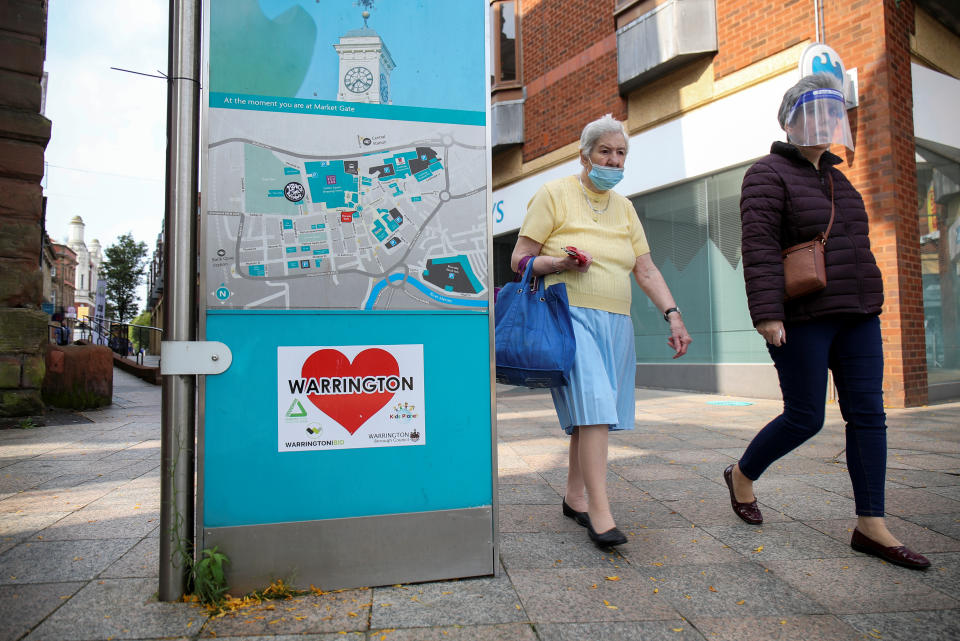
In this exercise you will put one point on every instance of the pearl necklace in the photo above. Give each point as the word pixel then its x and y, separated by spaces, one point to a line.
pixel 596 212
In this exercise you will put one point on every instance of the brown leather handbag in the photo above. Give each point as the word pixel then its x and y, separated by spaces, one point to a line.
pixel 804 271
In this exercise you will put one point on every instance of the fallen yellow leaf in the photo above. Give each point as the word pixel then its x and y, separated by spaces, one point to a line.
pixel 612 578
pixel 741 602
pixel 759 548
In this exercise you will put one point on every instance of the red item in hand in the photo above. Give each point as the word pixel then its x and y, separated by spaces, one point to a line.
pixel 576 253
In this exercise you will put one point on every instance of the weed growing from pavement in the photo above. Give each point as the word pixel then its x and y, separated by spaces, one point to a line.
pixel 206 574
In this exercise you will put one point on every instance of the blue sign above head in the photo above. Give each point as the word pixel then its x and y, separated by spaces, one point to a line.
pixel 820 58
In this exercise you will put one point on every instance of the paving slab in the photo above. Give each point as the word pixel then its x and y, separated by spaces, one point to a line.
pixel 540 494
pixel 907 501
pixel 642 471
pixel 634 516
pixel 346 610
pixel 336 636
pixel 944 574
pixel 923 461
pixel 589 595
pixel 681 489
pixel 24 606
pixel 730 590
pixel 916 537
pixel 141 561
pixel 59 561
pixel 542 550
pixel 815 506
pixel 946 524
pixel 119 609
pixel 861 584
pixel 778 541
pixel 502 632
pixel 716 510
pixel 535 518
pixel 684 546
pixel 787 628
pixel 938 625
pixel 102 524
pixel 677 630
pixel 480 601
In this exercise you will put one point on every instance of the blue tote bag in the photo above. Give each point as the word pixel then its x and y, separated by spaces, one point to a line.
pixel 534 336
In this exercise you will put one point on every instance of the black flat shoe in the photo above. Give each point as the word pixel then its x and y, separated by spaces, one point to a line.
pixel 607 539
pixel 582 518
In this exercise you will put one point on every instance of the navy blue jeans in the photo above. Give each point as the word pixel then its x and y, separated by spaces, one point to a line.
pixel 850 346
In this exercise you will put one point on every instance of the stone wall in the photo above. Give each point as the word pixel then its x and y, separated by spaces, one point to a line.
pixel 24 134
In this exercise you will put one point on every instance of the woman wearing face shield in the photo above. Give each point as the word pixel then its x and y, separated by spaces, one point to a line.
pixel 584 212
pixel 787 198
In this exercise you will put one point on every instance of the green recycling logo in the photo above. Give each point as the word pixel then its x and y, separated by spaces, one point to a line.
pixel 296 410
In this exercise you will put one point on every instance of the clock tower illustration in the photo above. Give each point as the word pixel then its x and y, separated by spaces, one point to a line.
pixel 365 65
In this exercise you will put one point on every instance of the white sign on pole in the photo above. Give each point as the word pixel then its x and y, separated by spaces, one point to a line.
pixel 346 397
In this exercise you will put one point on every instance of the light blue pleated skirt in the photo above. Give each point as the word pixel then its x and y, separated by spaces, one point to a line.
pixel 601 387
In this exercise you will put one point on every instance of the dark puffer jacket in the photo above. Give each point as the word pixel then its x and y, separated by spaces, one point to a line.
pixel 785 200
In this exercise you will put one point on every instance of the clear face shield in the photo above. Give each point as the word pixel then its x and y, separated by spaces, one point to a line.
pixel 819 117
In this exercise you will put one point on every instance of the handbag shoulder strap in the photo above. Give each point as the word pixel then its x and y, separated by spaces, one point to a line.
pixel 833 211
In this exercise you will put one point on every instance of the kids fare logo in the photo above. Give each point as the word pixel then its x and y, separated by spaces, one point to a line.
pixel 403 412
pixel 351 392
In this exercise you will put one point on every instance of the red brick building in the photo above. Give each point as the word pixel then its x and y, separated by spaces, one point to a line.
pixel 64 281
pixel 698 83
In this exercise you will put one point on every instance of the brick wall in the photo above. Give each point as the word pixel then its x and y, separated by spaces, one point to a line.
pixel 749 31
pixel 569 54
pixel 874 37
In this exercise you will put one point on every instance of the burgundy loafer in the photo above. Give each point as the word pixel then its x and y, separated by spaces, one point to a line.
pixel 899 554
pixel 749 512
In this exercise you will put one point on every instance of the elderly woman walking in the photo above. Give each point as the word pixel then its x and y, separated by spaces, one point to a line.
pixel 582 211
pixel 788 197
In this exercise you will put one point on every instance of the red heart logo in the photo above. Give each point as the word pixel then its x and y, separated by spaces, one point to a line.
pixel 350 410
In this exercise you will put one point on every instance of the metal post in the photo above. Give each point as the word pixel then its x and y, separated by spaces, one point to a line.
pixel 178 411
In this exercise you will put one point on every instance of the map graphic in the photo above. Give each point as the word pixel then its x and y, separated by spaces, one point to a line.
pixel 361 214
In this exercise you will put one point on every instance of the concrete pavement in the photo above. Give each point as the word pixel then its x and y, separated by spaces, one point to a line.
pixel 79 539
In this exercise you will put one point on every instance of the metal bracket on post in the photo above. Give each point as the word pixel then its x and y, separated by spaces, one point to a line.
pixel 194 357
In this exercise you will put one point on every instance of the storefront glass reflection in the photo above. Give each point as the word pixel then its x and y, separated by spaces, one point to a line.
pixel 938 197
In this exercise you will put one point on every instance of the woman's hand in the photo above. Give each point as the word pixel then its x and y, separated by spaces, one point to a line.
pixel 569 262
pixel 772 332
pixel 679 339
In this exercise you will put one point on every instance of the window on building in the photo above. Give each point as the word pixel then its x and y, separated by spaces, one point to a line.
pixel 694 234
pixel 504 27
pixel 938 196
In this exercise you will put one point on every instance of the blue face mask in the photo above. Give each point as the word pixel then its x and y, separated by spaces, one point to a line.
pixel 604 178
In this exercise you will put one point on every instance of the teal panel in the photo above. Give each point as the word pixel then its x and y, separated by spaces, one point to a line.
pixel 250 53
pixel 247 481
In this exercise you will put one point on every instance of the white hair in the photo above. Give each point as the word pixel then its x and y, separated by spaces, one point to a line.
pixel 599 128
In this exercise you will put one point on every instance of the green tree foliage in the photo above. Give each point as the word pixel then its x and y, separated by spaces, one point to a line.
pixel 123 268
pixel 139 336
